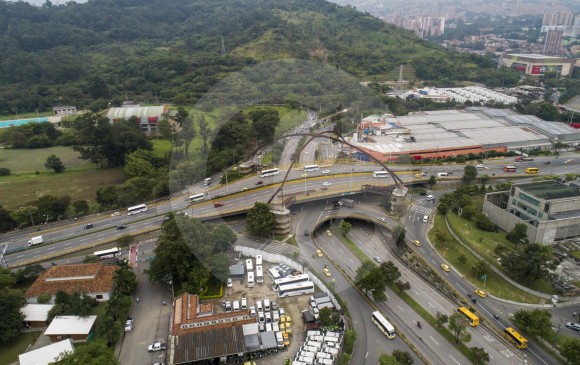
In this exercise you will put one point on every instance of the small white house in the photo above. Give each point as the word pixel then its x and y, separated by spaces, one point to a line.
pixel 75 328
pixel 47 354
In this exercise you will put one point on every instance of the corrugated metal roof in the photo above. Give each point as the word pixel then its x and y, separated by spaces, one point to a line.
pixel 209 344
pixel 137 111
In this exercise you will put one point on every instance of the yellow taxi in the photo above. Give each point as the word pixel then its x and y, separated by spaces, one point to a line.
pixel 288 329
pixel 288 321
pixel 481 293
pixel 445 267
pixel 417 243
pixel 326 272
pixel 286 340
pixel 244 189
pixel 282 320
pixel 328 233
pixel 319 253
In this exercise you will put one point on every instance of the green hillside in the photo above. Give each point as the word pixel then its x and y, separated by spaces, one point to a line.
pixel 171 50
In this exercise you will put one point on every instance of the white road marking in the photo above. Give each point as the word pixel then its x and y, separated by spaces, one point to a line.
pixel 456 283
pixel 402 310
pixel 435 341
pixel 454 360
pixel 416 292
pixel 434 261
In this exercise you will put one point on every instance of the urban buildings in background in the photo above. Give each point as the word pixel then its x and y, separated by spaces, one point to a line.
pixel 422 26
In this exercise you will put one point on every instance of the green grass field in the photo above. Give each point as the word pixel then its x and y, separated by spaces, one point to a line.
pixel 9 351
pixel 25 161
pixel 18 190
pixel 484 243
pixel 494 283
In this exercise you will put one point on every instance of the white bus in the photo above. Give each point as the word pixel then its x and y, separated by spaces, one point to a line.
pixel 137 209
pixel 380 174
pixel 249 266
pixel 258 260
pixel 108 254
pixel 301 288
pixel 259 274
pixel 250 279
pixel 274 274
pixel 290 280
pixel 196 197
pixel 270 172
pixel 206 181
pixel 310 168
pixel 385 326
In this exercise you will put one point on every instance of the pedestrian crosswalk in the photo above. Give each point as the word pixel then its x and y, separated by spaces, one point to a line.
pixel 421 209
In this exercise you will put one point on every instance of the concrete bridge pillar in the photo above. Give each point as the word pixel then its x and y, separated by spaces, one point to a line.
pixel 398 199
pixel 282 216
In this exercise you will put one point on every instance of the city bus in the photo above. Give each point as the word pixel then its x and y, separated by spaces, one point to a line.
pixel 290 280
pixel 310 168
pixel 259 274
pixel 532 170
pixel 249 266
pixel 108 254
pixel 206 181
pixel 510 169
pixel 514 336
pixel 271 172
pixel 274 274
pixel 472 318
pixel 196 197
pixel 289 290
pixel 137 209
pixel 380 174
pixel 385 326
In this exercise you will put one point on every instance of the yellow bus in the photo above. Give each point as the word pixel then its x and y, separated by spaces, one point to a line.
pixel 514 336
pixel 532 170
pixel 472 318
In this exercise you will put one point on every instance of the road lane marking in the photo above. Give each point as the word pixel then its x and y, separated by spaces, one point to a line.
pixel 456 283
pixel 434 261
pixel 434 341
pixel 351 260
pixel 402 310
pixel 454 360
pixel 367 355
pixel 416 292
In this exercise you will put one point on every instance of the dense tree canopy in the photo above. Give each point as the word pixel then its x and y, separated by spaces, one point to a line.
pixel 79 54
pixel 260 220
pixel 93 353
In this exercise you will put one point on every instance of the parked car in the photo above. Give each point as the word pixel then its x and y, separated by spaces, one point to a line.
pixel 574 326
pixel 157 346
pixel 274 305
pixel 230 283
pixel 129 324
pixel 253 312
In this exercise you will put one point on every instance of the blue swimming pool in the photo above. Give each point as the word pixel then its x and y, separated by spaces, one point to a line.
pixel 17 122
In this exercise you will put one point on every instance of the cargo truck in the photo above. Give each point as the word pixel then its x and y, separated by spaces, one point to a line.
pixel 36 241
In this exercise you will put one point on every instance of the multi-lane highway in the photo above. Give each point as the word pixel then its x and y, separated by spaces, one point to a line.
pixel 72 235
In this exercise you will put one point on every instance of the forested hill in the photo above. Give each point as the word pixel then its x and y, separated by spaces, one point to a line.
pixel 108 50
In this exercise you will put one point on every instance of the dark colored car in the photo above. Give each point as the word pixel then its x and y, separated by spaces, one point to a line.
pixel 547 163
pixel 89 226
pixel 122 226
pixel 259 182
pixel 449 172
pixel 422 192
pixel 218 204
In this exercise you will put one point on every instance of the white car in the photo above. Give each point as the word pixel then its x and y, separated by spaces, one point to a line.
pixel 230 283
pixel 480 166
pixel 326 172
pixel 381 219
pixel 115 214
pixel 326 183
pixel 129 325
pixel 253 312
pixel 568 161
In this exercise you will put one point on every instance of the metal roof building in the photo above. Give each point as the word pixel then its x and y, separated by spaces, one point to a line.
pixel 149 116
pixel 47 354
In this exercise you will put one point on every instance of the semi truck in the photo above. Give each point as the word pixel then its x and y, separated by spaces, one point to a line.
pixel 36 241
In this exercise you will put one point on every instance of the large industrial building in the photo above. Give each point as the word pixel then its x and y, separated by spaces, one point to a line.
pixel 538 65
pixel 448 133
pixel 550 210
pixel 148 116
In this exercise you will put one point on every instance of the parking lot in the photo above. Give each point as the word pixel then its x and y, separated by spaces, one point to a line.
pixel 292 307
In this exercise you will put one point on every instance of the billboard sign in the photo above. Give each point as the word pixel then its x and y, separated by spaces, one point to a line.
pixel 542 69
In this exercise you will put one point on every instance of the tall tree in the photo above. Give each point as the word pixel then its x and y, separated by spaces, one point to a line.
pixel 480 355
pixel 570 349
pixel 364 269
pixel 469 173
pixel 391 271
pixel 205 133
pixel 403 357
pixel 441 319
pixel 260 220
pixel 125 280
pixel 6 221
pixel 537 322
pixel 54 163
pixel 529 263
pixel 458 327
pixel 328 318
pixel 93 353
pixel 388 360
pixel 264 121
pixel 376 283
pixel 519 234
pixel 11 318
pixel 345 227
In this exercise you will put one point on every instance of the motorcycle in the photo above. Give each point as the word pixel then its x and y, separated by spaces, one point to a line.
pixel 419 324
